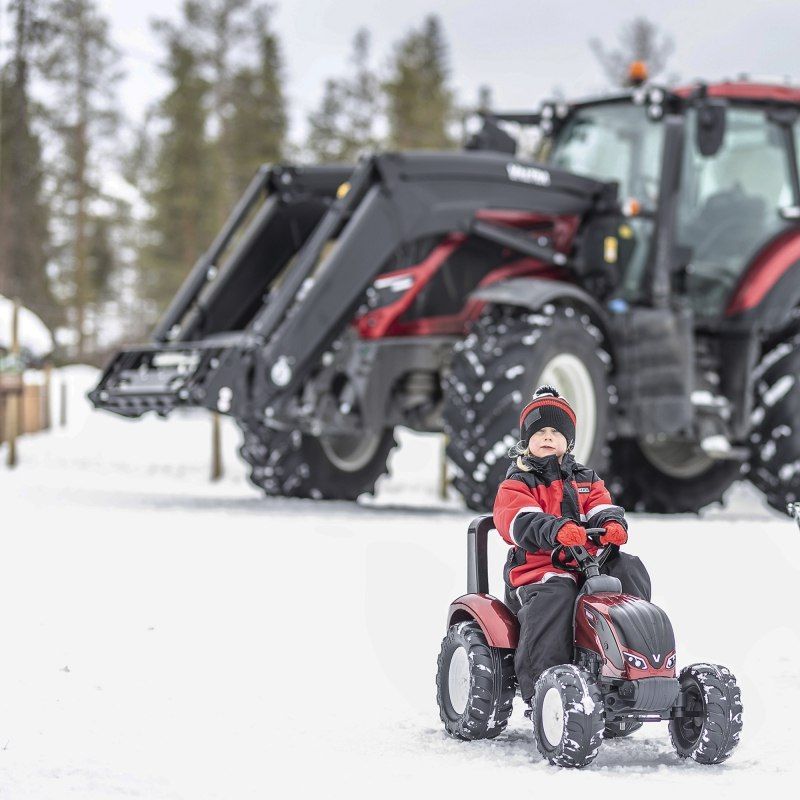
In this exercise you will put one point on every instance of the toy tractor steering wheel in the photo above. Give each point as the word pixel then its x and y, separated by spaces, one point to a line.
pixel 577 557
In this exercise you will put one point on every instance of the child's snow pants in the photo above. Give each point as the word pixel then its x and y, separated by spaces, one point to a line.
pixel 545 613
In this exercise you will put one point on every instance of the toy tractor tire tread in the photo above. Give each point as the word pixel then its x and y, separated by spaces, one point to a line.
pixel 492 684
pixel 583 712
pixel 715 688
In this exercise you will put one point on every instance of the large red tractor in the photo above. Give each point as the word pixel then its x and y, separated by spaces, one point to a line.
pixel 647 263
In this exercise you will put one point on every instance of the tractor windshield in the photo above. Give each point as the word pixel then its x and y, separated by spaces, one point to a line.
pixel 613 142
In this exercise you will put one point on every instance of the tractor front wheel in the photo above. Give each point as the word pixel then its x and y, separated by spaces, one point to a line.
pixel 293 464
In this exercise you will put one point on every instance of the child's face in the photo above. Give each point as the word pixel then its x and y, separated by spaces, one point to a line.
pixel 548 442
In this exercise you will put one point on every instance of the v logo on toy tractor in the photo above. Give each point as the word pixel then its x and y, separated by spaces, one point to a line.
pixel 622 674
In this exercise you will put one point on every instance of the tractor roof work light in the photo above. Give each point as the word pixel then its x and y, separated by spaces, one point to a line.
pixel 637 73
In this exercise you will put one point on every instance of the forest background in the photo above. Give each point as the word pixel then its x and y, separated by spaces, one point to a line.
pixel 103 213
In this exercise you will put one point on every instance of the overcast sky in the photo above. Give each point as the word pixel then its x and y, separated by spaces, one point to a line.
pixel 521 49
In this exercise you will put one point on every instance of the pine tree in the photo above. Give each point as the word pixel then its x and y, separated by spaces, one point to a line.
pixel 324 141
pixel 639 40
pixel 81 67
pixel 420 104
pixel 256 131
pixel 24 235
pixel 223 29
pixel 344 126
pixel 181 182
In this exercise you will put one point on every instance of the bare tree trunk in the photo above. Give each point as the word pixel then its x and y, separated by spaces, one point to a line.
pixel 81 277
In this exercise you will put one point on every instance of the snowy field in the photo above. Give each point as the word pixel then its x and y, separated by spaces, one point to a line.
pixel 166 637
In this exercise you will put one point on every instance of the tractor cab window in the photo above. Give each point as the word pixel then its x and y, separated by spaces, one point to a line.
pixel 613 142
pixel 730 204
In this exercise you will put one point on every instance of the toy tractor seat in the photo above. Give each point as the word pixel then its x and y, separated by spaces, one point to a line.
pixel 477 558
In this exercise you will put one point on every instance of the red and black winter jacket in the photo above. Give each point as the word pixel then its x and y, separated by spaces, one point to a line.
pixel 531 507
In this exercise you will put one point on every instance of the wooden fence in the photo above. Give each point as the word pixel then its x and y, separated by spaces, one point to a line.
pixel 32 406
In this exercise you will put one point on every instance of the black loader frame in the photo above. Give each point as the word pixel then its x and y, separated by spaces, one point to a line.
pixel 339 302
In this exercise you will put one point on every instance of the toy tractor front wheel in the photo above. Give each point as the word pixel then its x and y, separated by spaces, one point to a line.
pixel 475 684
pixel 711 714
pixel 568 716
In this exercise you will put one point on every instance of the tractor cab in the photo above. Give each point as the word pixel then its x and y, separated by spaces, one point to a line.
pixel 707 177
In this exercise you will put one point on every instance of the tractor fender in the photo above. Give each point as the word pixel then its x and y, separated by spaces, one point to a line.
pixel 534 293
pixel 769 289
pixel 499 625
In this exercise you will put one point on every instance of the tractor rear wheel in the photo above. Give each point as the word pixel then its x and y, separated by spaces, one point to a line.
pixel 494 372
pixel 668 477
pixel 775 435
pixel 293 464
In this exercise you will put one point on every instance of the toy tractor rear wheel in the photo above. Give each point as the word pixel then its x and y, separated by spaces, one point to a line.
pixel 293 464
pixel 475 683
pixel 494 372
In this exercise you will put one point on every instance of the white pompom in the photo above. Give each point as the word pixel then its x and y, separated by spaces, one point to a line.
pixel 544 391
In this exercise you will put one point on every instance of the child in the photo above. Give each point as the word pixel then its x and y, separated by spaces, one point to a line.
pixel 545 500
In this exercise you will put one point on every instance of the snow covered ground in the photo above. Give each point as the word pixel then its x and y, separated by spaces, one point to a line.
pixel 165 637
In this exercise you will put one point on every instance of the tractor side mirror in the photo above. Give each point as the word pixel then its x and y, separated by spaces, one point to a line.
pixel 710 126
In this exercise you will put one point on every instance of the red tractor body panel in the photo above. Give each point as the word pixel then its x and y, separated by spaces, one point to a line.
pixel 742 91
pixel 596 630
pixel 767 268
pixel 498 623
pixel 392 319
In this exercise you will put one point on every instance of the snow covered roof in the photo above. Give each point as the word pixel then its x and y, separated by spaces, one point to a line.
pixel 35 338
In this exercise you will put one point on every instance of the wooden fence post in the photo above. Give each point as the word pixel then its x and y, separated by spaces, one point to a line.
pixel 443 469
pixel 14 397
pixel 62 420
pixel 216 447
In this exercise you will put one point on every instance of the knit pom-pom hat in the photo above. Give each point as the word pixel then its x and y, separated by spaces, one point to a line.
pixel 548 409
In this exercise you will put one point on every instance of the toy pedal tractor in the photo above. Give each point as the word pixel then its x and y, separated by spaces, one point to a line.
pixel 622 673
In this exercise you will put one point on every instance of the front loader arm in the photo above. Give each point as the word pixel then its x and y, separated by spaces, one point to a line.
pixel 396 199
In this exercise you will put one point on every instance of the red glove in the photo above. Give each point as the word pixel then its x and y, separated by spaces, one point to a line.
pixel 615 534
pixel 571 535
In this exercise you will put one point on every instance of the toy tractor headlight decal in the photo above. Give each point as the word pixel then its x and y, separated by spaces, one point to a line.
pixel 670 662
pixel 635 661
pixel 606 642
